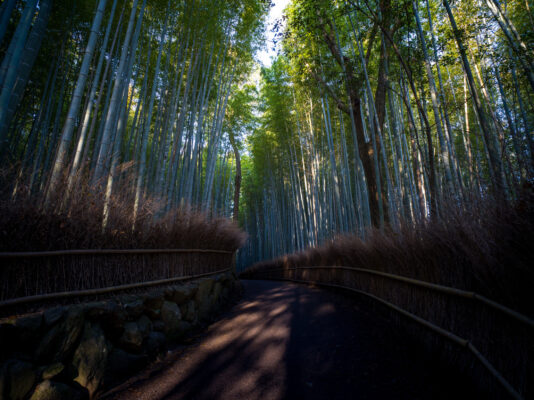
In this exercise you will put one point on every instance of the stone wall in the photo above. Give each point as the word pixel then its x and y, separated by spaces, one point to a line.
pixel 78 351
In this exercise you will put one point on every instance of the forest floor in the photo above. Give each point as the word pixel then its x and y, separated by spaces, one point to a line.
pixel 287 341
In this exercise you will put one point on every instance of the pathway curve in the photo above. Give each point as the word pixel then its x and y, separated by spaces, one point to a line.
pixel 287 341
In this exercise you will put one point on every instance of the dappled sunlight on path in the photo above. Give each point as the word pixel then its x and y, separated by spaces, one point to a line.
pixel 290 341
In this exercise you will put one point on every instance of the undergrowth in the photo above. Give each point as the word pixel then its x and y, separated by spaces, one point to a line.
pixel 485 248
pixel 29 223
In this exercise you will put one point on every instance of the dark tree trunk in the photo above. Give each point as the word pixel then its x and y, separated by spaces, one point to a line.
pixel 365 149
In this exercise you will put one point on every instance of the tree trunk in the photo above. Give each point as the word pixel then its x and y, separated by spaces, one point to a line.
pixel 9 68
pixel 366 151
pixel 109 128
pixel 237 180
pixel 78 159
pixel 514 39
pixel 142 164
pixel 5 14
pixel 68 127
pixel 496 169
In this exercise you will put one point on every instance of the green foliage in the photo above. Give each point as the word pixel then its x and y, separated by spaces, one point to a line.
pixel 240 118
pixel 304 99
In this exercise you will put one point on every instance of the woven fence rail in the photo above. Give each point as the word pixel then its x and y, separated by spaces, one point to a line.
pixel 25 275
pixel 499 338
pixel 102 291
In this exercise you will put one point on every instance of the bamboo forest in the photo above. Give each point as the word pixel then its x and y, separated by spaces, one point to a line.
pixel 379 113
pixel 388 135
pixel 372 114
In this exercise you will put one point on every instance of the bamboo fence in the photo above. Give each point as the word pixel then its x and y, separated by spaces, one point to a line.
pixel 38 276
pixel 336 277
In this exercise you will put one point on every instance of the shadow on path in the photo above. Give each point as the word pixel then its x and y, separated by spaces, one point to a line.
pixel 286 341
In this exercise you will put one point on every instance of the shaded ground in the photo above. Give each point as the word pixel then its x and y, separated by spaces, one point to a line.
pixel 286 341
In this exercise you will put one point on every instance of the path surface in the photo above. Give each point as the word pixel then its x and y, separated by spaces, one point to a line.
pixel 286 341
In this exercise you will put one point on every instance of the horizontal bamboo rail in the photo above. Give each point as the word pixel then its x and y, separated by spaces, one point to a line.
pixel 92 292
pixel 89 252
pixel 439 288
pixel 443 332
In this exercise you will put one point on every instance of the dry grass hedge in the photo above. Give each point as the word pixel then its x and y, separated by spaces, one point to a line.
pixel 27 225
pixel 486 248
pixel 76 222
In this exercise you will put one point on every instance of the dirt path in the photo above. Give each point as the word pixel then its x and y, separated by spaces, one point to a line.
pixel 285 341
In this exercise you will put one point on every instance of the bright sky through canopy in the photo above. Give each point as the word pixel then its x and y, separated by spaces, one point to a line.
pixel 266 55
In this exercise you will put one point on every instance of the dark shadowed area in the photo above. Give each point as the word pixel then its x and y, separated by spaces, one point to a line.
pixel 286 341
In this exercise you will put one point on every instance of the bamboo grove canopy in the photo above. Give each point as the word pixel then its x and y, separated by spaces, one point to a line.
pixel 374 112
pixel 381 113
pixel 124 94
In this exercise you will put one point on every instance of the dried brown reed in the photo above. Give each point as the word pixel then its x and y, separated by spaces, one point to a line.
pixel 29 222
pixel 26 224
pixel 485 248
